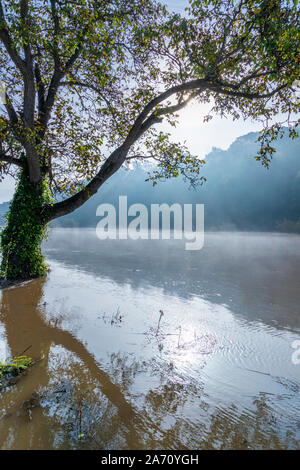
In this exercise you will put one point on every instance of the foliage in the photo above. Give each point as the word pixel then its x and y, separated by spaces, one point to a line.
pixel 13 367
pixel 96 66
pixel 21 239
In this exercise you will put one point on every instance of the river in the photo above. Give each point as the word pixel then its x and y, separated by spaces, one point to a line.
pixel 144 345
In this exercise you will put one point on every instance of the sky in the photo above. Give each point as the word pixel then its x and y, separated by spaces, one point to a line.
pixel 199 137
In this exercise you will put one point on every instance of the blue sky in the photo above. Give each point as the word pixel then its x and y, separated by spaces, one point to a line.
pixel 177 6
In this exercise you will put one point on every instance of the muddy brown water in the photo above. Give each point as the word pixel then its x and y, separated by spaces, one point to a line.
pixel 216 372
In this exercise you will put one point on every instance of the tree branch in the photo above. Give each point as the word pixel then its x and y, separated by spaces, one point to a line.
pixel 111 165
pixel 242 94
pixel 56 32
pixel 155 118
pixel 29 86
pixel 15 161
pixel 41 89
pixel 8 43
pixel 11 110
pixel 199 84
pixel 55 83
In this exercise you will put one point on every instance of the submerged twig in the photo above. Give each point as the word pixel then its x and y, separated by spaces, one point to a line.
pixel 23 352
pixel 179 335
pixel 160 317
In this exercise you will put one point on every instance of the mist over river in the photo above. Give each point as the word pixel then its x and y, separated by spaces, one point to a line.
pixel 145 345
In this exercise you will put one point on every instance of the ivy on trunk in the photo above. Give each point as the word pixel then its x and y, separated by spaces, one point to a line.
pixel 21 239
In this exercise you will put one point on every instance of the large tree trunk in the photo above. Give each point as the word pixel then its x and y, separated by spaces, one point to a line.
pixel 21 239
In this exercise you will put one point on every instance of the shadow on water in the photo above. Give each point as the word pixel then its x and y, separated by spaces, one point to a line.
pixel 25 325
pixel 70 400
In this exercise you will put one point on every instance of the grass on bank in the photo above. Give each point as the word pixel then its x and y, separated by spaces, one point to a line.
pixel 13 367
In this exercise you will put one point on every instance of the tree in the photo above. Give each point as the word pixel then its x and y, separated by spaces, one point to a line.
pixel 87 83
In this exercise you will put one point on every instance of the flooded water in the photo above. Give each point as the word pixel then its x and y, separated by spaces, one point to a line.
pixel 144 345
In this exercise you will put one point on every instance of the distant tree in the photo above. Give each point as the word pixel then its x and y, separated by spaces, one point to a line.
pixel 88 81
